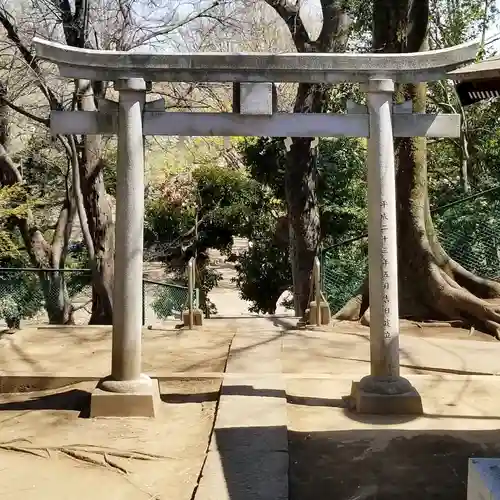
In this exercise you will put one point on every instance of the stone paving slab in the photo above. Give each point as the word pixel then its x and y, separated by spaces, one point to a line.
pixel 248 451
pixel 251 415
pixel 86 352
pixel 234 476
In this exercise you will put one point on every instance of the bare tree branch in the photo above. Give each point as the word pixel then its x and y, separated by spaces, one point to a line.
pixel 155 33
pixel 29 58
pixel 25 112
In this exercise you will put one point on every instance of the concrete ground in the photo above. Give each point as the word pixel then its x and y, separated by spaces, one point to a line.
pixel 252 409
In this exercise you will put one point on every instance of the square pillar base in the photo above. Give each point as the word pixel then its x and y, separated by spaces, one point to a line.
pixel 197 317
pixel 143 402
pixel 405 403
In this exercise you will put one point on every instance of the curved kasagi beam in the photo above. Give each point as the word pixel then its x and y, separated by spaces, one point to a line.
pixel 254 67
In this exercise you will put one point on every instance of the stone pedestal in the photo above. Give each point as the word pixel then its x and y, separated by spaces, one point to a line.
pixel 136 398
pixel 385 396
pixel 325 314
pixel 197 317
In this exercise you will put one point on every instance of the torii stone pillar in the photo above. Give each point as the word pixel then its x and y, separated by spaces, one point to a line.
pixel 128 392
pixel 384 390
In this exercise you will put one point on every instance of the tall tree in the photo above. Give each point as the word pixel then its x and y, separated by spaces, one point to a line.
pixel 43 252
pixel 431 285
pixel 108 24
pixel 301 174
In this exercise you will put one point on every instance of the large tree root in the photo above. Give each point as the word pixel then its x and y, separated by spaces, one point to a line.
pixel 82 453
pixel 356 306
pixel 458 302
pixel 451 294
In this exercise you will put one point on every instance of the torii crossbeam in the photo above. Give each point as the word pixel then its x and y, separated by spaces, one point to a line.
pixel 384 390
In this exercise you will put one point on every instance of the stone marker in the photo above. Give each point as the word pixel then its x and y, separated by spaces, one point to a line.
pixel 483 481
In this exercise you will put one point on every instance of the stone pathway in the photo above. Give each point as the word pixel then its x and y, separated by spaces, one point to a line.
pixel 248 453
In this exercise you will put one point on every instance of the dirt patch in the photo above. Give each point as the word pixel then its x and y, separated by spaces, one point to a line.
pixel 86 351
pixel 48 452
pixel 386 465
pixel 416 329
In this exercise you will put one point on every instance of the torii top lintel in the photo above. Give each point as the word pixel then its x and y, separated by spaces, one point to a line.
pixel 254 67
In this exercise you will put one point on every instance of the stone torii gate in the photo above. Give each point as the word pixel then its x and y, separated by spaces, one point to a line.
pixel 127 392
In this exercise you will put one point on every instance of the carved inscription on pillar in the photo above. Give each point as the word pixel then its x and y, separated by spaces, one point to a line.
pixel 385 276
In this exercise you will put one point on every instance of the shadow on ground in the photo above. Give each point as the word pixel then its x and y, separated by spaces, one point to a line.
pixel 352 465
pixel 70 400
pixel 79 401
pixel 385 464
pixel 374 463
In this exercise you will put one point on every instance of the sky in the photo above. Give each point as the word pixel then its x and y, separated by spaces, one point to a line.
pixel 311 14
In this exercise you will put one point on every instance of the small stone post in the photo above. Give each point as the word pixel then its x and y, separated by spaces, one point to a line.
pixel 192 316
pixel 317 290
pixel 127 392
pixel 190 292
pixel 383 391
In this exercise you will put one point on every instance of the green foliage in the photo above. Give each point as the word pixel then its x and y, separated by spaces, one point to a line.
pixel 21 296
pixel 12 204
pixel 342 188
pixel 21 291
pixel 44 166
pixel 192 213
pixel 169 299
pixel 454 22
pixel 109 169
pixel 207 280
pixel 264 271
pixel 263 274
pixel 344 268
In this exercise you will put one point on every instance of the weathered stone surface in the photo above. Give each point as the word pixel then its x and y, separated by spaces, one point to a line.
pixel 144 402
pixel 383 403
pixel 276 125
pixel 254 67
pixel 256 98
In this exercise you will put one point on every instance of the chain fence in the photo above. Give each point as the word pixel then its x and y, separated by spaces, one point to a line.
pixel 31 296
pixel 164 301
pixel 39 296
pixel 468 229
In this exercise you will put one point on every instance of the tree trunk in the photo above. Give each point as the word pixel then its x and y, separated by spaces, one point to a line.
pixel 51 256
pixel 301 178
pixel 431 285
pixel 301 173
pixel 99 215
pixel 42 254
